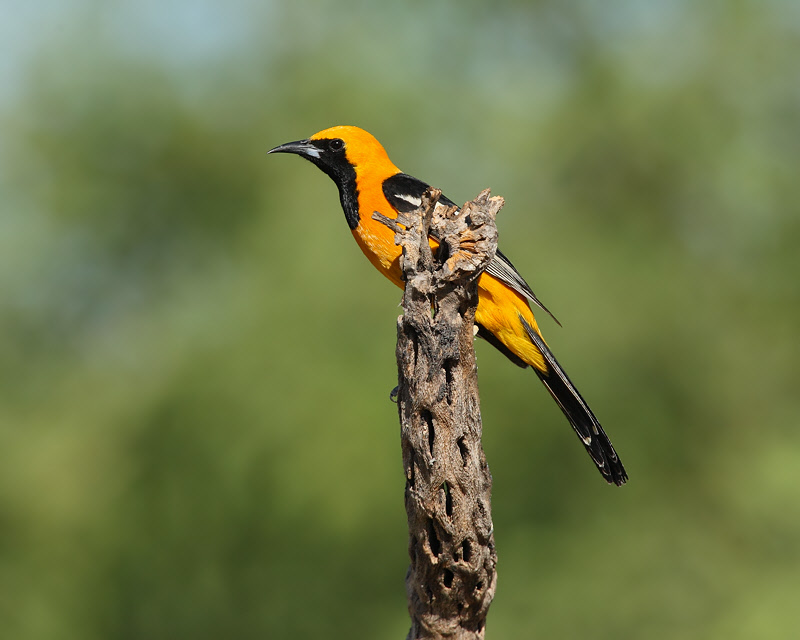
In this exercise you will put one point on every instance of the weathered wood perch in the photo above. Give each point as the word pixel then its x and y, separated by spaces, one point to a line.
pixel 452 578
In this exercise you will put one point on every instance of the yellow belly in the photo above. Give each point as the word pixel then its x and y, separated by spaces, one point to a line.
pixel 499 310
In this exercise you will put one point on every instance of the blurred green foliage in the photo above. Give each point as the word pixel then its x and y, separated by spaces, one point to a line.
pixel 196 435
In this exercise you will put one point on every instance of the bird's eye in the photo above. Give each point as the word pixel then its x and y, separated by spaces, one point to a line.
pixel 337 144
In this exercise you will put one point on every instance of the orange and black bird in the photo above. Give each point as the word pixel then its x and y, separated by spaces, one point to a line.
pixel 368 181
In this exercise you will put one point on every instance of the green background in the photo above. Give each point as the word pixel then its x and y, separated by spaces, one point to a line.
pixel 196 439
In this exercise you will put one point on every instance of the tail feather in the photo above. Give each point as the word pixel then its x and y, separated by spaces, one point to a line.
pixel 578 413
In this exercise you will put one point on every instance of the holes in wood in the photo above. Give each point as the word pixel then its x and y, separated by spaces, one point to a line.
pixel 447 578
pixel 466 551
pixel 433 539
pixel 448 500
pixel 463 450
pixel 427 418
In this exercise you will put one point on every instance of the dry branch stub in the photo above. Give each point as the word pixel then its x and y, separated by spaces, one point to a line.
pixel 452 578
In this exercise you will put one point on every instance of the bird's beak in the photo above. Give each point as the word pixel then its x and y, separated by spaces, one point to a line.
pixel 304 148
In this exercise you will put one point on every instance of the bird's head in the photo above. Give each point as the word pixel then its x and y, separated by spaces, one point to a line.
pixel 341 152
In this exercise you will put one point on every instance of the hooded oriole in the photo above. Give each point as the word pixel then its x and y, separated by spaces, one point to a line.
pixel 369 182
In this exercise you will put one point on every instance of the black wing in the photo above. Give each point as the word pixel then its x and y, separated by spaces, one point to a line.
pixel 404 193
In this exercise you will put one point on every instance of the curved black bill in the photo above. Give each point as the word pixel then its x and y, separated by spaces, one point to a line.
pixel 304 148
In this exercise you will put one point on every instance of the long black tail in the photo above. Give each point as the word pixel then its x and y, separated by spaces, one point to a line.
pixel 579 414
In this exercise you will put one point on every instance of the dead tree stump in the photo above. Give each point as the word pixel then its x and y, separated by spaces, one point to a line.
pixel 452 578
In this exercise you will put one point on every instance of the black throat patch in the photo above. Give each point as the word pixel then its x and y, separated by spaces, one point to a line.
pixel 344 175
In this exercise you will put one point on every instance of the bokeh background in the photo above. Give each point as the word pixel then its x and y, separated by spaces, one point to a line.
pixel 196 439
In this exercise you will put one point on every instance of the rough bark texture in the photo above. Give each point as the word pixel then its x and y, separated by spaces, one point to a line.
pixel 451 580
